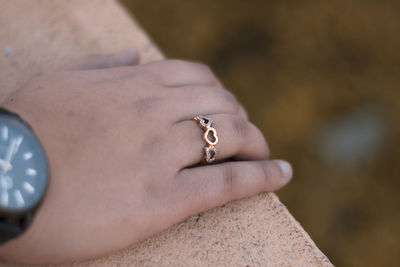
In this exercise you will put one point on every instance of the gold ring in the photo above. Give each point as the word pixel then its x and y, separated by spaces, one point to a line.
pixel 210 138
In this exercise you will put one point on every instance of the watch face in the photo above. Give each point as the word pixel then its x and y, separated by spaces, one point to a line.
pixel 23 166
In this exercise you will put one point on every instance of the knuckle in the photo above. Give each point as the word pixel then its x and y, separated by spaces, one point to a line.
pixel 207 73
pixel 204 69
pixel 228 100
pixel 231 98
pixel 258 135
pixel 240 127
pixel 260 141
pixel 243 112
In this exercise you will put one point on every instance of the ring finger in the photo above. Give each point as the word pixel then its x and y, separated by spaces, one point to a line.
pixel 237 138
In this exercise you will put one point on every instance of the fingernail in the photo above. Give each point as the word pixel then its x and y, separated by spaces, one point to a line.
pixel 285 167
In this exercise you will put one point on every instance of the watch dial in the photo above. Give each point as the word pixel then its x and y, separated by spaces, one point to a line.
pixel 23 166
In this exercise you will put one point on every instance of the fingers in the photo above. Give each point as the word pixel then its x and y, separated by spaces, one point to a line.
pixel 243 112
pixel 202 188
pixel 126 58
pixel 190 101
pixel 237 138
pixel 176 73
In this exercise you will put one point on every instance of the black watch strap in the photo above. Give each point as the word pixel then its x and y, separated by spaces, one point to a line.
pixel 8 231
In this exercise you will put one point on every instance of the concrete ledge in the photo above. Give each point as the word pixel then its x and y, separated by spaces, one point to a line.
pixel 37 36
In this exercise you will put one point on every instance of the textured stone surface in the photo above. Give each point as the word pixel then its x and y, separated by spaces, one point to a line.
pixel 38 36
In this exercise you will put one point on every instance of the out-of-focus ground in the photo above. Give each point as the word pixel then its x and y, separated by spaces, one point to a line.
pixel 321 79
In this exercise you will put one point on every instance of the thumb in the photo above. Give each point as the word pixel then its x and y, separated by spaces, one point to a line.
pixel 125 58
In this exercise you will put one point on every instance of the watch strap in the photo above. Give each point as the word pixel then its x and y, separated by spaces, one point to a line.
pixel 8 231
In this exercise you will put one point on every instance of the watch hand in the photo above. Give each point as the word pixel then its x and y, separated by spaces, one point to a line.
pixel 12 150
pixel 6 162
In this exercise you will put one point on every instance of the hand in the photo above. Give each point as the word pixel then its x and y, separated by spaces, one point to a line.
pixel 123 151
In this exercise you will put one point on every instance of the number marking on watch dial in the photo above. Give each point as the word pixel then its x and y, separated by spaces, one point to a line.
pixel 27 155
pixel 18 198
pixel 30 172
pixel 28 187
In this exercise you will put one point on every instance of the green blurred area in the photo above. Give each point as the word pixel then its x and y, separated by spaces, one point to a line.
pixel 321 79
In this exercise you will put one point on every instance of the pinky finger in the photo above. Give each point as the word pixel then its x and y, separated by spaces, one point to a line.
pixel 206 187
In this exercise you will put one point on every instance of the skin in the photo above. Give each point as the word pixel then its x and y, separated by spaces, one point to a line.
pixel 124 154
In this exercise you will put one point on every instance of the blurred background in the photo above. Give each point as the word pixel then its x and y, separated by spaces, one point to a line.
pixel 321 79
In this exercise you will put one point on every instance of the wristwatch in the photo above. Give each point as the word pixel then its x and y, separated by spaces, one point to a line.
pixel 24 175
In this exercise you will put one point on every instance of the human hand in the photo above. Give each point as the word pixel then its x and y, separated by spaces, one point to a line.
pixel 123 154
